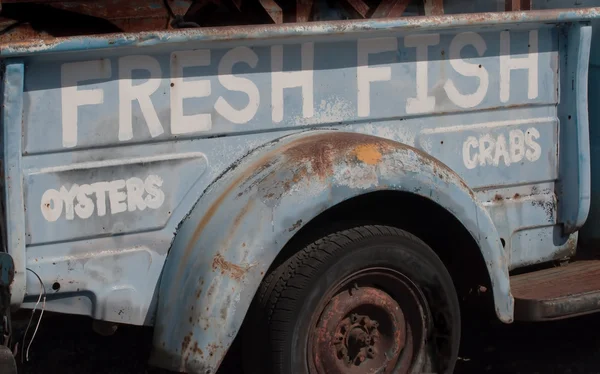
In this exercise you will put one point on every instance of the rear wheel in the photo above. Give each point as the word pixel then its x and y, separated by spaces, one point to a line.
pixel 8 364
pixel 372 299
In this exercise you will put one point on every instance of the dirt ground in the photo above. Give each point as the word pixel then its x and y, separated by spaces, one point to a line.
pixel 68 345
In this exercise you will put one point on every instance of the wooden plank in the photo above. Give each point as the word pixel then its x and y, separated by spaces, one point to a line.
pixel 237 4
pixel 517 5
pixel 434 7
pixel 359 7
pixel 273 10
pixel 303 10
pixel 390 8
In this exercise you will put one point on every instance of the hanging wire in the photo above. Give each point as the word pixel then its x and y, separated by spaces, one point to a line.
pixel 42 296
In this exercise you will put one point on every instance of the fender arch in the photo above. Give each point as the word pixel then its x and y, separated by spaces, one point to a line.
pixel 223 249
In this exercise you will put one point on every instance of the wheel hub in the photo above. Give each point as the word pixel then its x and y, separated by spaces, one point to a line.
pixel 355 339
pixel 361 330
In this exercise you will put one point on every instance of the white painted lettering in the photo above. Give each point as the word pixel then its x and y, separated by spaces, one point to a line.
pixel 487 144
pixel 233 83
pixel 155 197
pixel 135 194
pixel 509 63
pixel 123 195
pixel 85 205
pixel 534 150
pixel 289 79
pixel 492 150
pixel 139 92
pixel 72 98
pixel 116 197
pixel 52 205
pixel 67 197
pixel 501 151
pixel 422 103
pixel 366 74
pixel 128 92
pixel 180 90
pixel 100 189
pixel 517 145
pixel 470 161
pixel 468 70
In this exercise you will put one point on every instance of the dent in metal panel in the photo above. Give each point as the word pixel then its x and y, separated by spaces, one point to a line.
pixel 115 277
pixel 533 245
pixel 574 167
pixel 15 214
pixel 527 224
pixel 230 239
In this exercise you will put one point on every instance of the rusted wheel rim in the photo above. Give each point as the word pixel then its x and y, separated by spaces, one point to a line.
pixel 363 328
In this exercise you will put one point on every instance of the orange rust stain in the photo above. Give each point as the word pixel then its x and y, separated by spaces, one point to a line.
pixel 198 349
pixel 368 153
pixel 235 271
pixel 215 206
pixel 239 217
pixel 321 151
pixel 186 342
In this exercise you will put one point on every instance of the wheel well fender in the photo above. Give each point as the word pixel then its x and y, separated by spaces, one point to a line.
pixel 231 237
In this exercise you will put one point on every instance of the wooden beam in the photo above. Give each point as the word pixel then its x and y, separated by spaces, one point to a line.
pixel 303 10
pixel 273 10
pixel 237 4
pixel 517 5
pixel 390 8
pixel 359 7
pixel 434 7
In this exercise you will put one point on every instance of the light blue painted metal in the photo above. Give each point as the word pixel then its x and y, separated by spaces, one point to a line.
pixel 575 186
pixel 120 166
pixel 234 233
pixel 13 181
pixel 241 33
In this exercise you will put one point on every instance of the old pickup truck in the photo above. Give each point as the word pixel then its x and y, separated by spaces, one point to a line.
pixel 323 185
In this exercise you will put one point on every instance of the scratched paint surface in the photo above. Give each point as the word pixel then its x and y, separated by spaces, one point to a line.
pixel 118 146
pixel 165 106
pixel 123 100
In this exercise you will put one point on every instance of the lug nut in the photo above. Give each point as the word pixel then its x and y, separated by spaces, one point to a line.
pixel 370 352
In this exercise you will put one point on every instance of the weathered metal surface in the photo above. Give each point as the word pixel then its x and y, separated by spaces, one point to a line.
pixel 312 171
pixel 12 117
pixel 558 292
pixel 364 329
pixel 112 148
pixel 318 29
pixel 575 188
pixel 534 207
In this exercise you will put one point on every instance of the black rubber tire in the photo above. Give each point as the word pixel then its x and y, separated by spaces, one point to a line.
pixel 8 364
pixel 275 337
